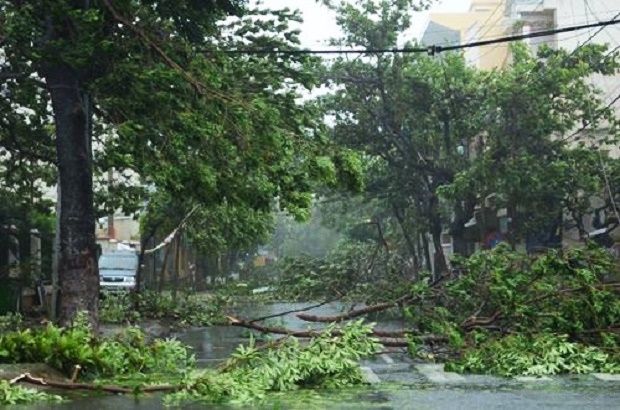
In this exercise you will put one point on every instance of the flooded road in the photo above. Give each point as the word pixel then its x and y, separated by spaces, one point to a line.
pixel 396 397
pixel 403 383
pixel 214 344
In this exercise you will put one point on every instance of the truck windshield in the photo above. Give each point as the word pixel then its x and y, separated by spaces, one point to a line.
pixel 118 262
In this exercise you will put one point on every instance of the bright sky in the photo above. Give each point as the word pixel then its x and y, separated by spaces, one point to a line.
pixel 320 24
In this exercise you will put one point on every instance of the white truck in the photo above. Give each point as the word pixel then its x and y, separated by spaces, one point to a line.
pixel 117 271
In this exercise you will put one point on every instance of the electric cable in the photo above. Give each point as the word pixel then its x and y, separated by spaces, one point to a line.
pixel 433 49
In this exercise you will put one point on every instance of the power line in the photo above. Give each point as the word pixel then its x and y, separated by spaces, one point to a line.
pixel 489 27
pixel 543 33
pixel 597 32
pixel 433 49
pixel 488 19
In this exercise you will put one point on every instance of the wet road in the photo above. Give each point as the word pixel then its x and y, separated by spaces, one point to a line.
pixel 403 384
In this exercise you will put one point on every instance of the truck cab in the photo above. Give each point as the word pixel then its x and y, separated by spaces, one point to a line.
pixel 117 271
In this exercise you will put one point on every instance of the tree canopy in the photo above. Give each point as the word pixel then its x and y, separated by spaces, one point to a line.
pixel 169 104
pixel 439 136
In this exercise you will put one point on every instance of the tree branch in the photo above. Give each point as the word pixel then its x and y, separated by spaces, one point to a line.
pixel 198 85
pixel 355 313
pixel 389 338
pixel 27 378
pixel 260 319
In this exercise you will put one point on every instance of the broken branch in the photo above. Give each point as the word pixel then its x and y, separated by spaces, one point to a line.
pixel 355 313
pixel 28 378
pixel 384 335
pixel 259 319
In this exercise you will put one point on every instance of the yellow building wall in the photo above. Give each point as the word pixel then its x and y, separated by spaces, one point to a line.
pixel 483 21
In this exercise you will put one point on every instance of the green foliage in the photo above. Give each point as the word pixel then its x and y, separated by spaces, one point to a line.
pixel 352 269
pixel 327 361
pixel 116 308
pixel 537 355
pixel 127 353
pixel 11 395
pixel 57 347
pixel 179 120
pixel 438 136
pixel 558 292
pixel 186 309
pixel 509 313
pixel 534 174
pixel 11 322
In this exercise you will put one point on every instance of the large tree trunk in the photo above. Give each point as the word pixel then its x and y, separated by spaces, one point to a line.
pixel 439 259
pixel 78 271
pixel 428 262
pixel 411 247
pixel 463 212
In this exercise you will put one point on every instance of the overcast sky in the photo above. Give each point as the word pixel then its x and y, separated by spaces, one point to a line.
pixel 319 24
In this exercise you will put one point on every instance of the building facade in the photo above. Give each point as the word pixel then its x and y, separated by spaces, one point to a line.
pixel 484 20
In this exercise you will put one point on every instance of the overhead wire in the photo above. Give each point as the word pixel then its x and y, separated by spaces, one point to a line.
pixel 432 49
pixel 601 111
pixel 492 49
pixel 489 27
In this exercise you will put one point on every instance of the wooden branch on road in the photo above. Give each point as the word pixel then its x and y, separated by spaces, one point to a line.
pixel 28 378
pixel 260 319
pixel 355 313
pixel 395 338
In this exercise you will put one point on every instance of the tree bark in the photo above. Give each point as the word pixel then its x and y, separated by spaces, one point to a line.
pixel 78 270
pixel 439 259
pixel 109 388
pixel 408 239
pixel 164 269
pixel 177 266
pixel 356 313
pixel 391 335
pixel 426 252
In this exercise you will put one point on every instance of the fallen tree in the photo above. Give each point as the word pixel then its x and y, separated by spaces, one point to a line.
pixel 498 293
pixel 128 364
pixel 396 338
